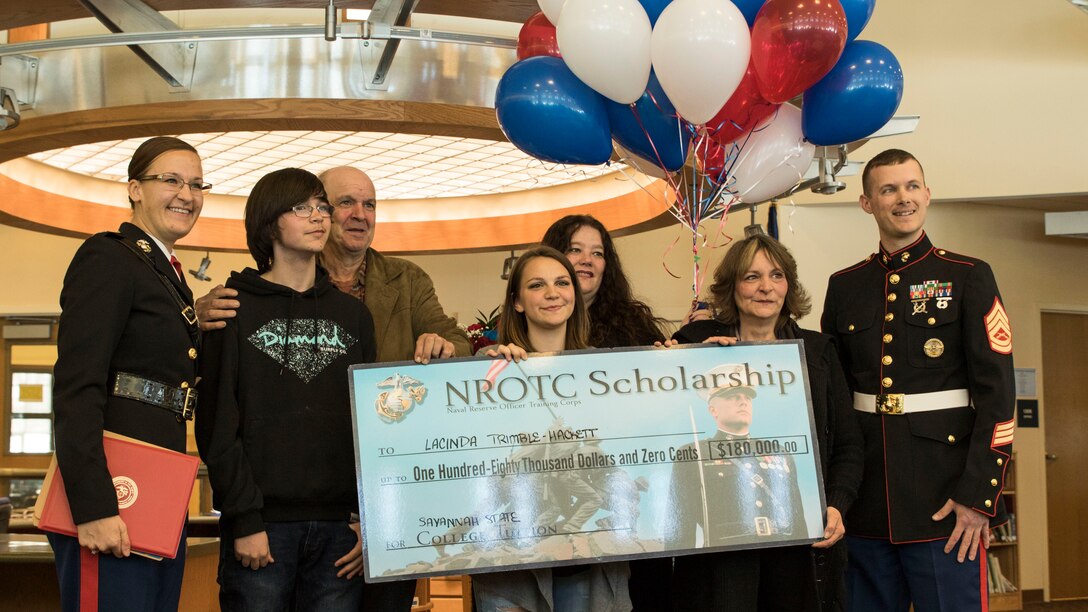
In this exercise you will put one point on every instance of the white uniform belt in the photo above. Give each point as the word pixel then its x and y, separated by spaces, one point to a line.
pixel 902 403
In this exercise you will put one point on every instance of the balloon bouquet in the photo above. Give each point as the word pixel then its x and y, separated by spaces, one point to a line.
pixel 709 79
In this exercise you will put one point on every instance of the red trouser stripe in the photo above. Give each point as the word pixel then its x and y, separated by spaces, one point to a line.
pixel 984 591
pixel 88 581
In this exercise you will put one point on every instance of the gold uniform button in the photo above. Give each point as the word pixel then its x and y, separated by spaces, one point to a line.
pixel 184 385
pixel 941 252
pixel 887 338
pixel 192 353
pixel 989 503
pixel 886 360
pixel 891 297
pixel 931 321
pixel 951 439
pixel 1000 461
pixel 886 382
pixel 850 327
pixel 993 482
pixel 894 279
pixel 889 316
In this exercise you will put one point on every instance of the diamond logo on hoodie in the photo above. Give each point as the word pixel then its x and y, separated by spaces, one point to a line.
pixel 307 349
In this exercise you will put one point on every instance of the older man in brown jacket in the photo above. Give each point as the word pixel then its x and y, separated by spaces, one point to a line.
pixel 409 322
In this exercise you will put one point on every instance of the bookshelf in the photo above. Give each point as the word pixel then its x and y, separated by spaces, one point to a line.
pixel 1003 558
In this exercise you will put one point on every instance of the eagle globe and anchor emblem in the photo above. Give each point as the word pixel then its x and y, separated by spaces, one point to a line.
pixel 404 392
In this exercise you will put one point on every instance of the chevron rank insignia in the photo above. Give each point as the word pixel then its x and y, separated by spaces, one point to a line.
pixel 998 330
pixel 1003 434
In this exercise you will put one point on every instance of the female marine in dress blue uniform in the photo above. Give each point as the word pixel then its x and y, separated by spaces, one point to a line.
pixel 127 350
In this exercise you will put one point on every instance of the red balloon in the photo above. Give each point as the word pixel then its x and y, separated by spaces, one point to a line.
pixel 710 159
pixel 537 37
pixel 744 110
pixel 795 43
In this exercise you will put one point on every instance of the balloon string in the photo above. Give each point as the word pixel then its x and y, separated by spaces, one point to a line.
pixel 630 161
pixel 695 277
pixel 665 257
pixel 653 147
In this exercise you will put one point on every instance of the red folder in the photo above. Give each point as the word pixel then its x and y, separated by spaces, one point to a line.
pixel 153 487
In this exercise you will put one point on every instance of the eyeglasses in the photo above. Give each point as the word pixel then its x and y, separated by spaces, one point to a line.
pixel 304 210
pixel 174 182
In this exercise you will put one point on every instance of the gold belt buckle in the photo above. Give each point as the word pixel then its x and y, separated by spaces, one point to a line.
pixel 186 409
pixel 189 314
pixel 889 403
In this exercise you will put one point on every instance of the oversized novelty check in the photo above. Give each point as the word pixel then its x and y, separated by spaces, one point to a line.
pixel 476 465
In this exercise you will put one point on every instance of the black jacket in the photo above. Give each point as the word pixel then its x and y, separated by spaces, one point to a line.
pixel 837 435
pixel 922 320
pixel 837 432
pixel 275 422
pixel 115 316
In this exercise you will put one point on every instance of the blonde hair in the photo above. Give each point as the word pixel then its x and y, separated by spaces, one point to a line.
pixel 737 261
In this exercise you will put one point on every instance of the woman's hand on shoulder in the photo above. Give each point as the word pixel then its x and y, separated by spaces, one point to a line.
pixel 509 352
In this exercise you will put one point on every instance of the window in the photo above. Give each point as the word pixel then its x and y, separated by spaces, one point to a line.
pixel 30 398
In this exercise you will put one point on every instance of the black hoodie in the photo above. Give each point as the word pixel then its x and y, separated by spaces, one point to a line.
pixel 274 419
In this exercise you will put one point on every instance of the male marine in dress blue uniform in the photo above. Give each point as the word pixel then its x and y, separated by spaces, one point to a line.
pixel 927 350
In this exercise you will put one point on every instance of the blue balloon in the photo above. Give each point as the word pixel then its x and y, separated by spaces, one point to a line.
pixel 749 8
pixel 858 13
pixel 659 123
pixel 855 99
pixel 548 113
pixel 654 8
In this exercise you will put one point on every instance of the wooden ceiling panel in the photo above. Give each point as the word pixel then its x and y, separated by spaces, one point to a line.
pixel 16 13
pixel 33 209
pixel 68 129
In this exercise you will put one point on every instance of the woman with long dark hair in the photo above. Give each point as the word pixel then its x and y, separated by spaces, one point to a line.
pixel 616 317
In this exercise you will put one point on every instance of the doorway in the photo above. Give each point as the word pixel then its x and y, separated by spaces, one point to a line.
pixel 1065 368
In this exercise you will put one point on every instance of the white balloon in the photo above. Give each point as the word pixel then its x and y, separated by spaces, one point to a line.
pixel 774 159
pixel 639 163
pixel 606 44
pixel 700 51
pixel 551 9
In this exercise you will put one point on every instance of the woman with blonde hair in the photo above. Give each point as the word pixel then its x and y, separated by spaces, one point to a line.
pixel 756 296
